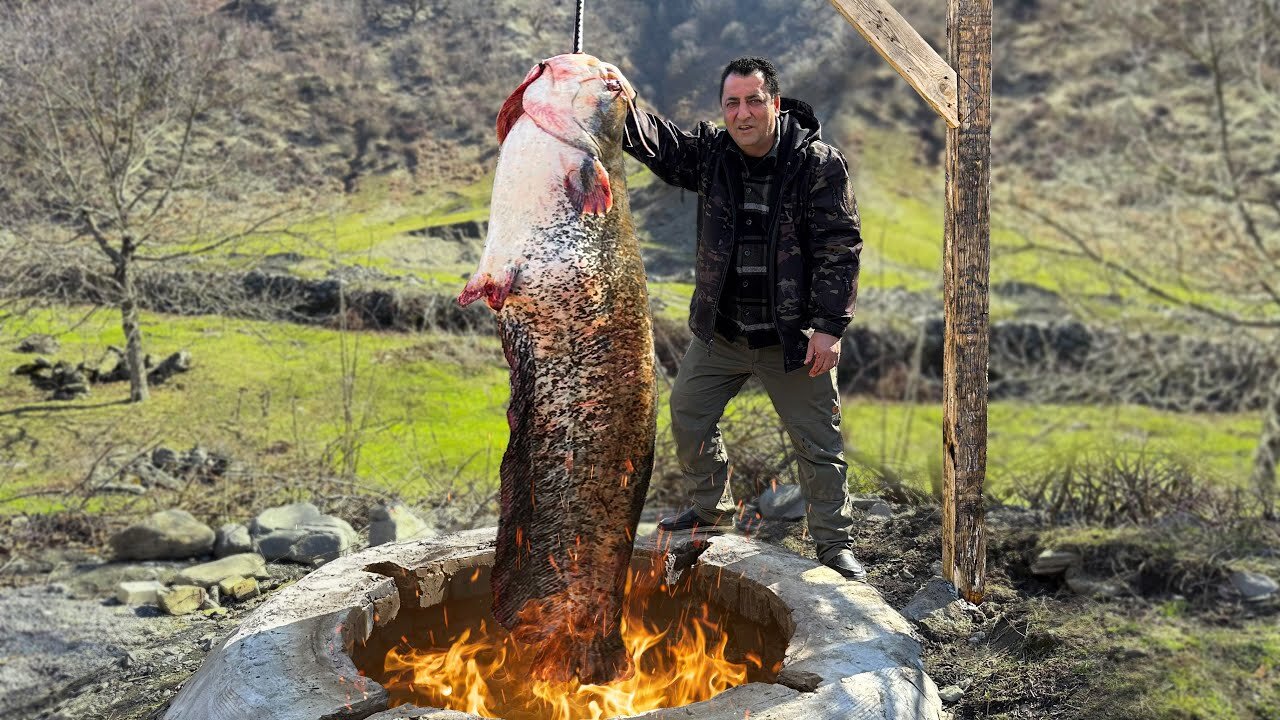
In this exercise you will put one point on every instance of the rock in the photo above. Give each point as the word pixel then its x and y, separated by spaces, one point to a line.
pixel 195 459
pixel 178 362
pixel 38 343
pixel 977 637
pixel 86 581
pixel 799 680
pixel 1053 562
pixel 139 592
pixel 120 488
pixel 866 503
pixel 212 573
pixel 151 476
pixel 1087 586
pixel 749 518
pixel 783 502
pixel 168 534
pixel 245 589
pixel 879 512
pixel 951 694
pixel 232 539
pixel 239 588
pixel 951 620
pixel 299 532
pixel 182 599
pixel 164 458
pixel 1252 586
pixel 38 368
pixel 935 595
pixel 394 522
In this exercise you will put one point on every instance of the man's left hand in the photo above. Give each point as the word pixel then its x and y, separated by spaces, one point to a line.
pixel 824 352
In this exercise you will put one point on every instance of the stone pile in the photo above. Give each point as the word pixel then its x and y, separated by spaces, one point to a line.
pixel 65 381
pixel 297 533
pixel 38 343
pixel 1240 585
pixel 162 468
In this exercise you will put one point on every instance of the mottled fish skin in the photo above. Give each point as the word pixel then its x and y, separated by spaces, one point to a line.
pixel 562 266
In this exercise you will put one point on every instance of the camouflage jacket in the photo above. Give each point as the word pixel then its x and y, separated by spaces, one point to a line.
pixel 815 238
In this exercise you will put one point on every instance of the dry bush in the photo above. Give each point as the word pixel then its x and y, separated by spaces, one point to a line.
pixel 1113 487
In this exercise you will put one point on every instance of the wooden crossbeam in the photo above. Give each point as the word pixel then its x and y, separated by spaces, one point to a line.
pixel 899 43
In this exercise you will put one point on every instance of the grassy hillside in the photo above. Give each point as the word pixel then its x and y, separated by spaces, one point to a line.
pixel 427 413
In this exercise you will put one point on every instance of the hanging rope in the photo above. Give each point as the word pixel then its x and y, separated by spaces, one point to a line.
pixel 577 29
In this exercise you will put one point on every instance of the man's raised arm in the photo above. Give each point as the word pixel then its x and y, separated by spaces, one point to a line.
pixel 671 153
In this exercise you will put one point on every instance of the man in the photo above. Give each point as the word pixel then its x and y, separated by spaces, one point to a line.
pixel 775 284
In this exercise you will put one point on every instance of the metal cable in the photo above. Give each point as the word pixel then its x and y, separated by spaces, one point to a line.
pixel 577 29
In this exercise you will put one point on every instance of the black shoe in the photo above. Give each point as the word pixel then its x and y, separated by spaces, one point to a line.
pixel 691 520
pixel 847 565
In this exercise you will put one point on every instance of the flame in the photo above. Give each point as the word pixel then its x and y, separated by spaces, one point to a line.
pixel 488 673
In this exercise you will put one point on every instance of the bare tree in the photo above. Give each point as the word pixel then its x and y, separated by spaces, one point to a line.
pixel 1189 178
pixel 118 132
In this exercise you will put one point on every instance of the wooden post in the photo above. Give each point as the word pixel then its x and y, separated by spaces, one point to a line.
pixel 966 277
pixel 958 89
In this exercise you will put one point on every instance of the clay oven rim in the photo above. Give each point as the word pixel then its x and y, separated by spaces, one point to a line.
pixel 292 657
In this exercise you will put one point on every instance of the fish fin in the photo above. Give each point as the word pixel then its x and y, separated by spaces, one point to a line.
pixel 493 289
pixel 588 188
pixel 513 108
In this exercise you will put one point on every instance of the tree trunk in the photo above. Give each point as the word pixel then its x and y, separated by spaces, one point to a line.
pixel 133 355
pixel 1268 451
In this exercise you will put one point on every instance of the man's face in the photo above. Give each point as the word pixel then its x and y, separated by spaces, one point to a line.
pixel 750 113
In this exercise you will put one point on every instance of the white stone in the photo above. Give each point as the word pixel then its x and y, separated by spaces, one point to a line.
pixel 212 573
pixel 232 539
pixel 301 533
pixel 935 595
pixel 166 535
pixel 1087 586
pixel 880 512
pixel 139 592
pixel 1053 562
pixel 182 599
pixel 784 502
pixel 395 522
pixel 1252 586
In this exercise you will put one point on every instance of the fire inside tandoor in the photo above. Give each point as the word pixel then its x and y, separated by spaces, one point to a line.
pixel 682 649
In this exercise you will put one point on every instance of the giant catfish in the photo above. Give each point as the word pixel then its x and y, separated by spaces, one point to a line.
pixel 562 268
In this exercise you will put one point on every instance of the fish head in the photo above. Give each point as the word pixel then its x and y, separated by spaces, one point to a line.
pixel 570 94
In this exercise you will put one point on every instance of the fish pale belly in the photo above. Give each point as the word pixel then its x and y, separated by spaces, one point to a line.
pixel 529 203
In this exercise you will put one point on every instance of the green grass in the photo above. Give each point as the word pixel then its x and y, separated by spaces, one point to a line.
pixel 1143 664
pixel 1025 439
pixel 427 409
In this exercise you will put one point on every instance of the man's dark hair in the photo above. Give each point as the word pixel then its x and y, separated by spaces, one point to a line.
pixel 745 66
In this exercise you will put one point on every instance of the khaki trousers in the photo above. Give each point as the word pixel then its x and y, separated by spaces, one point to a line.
pixel 809 408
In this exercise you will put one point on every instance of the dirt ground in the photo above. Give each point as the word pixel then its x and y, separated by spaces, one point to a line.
pixel 68 652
